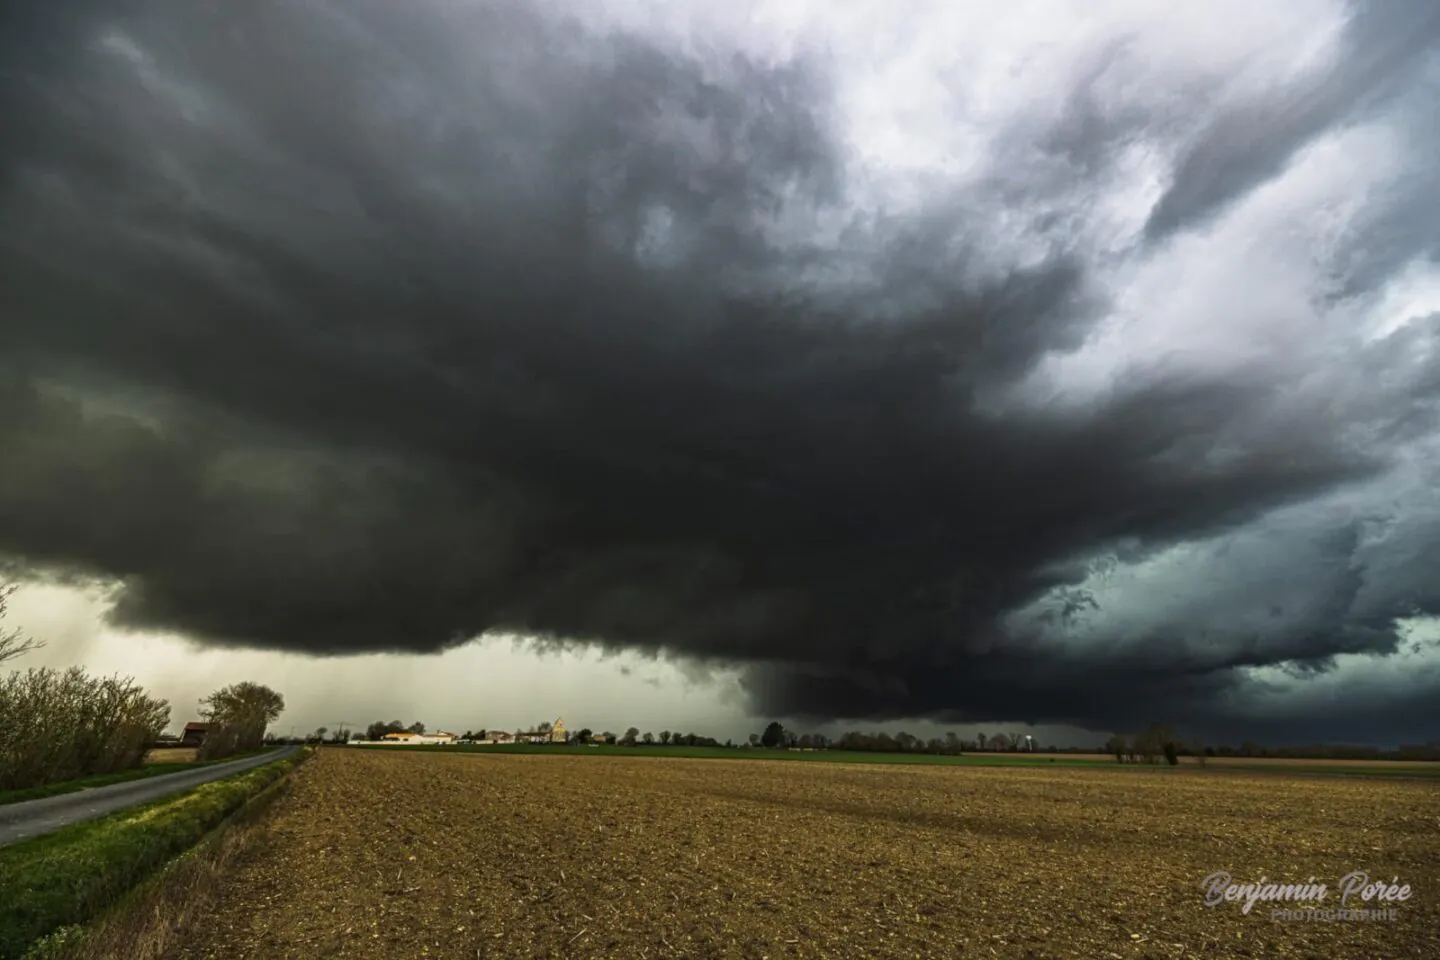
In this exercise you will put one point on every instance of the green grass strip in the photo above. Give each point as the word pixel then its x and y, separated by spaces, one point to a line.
pixel 74 874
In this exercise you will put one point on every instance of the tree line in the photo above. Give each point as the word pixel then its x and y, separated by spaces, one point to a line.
pixel 63 724
pixel 378 729
pixel 1155 743
pixel 774 736
pixel 58 725
pixel 632 737
pixel 1158 741
pixel 777 736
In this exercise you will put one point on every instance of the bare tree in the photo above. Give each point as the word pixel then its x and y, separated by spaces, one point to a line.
pixel 238 715
pixel 1151 744
pixel 13 643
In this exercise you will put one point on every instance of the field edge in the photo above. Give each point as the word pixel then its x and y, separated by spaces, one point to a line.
pixel 1384 769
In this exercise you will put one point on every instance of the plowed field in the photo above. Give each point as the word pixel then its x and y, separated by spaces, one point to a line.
pixel 396 855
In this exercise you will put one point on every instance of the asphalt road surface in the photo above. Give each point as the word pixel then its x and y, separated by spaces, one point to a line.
pixel 31 818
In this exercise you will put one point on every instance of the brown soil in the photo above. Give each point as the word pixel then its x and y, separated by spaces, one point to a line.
pixel 395 855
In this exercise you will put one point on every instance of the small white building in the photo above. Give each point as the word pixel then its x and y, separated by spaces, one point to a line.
pixel 406 737
pixel 497 736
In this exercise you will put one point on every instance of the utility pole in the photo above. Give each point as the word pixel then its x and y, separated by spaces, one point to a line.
pixel 340 728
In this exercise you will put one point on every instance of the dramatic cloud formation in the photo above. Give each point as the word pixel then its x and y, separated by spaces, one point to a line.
pixel 1051 365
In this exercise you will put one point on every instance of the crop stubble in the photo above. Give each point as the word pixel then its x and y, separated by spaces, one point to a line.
pixel 406 854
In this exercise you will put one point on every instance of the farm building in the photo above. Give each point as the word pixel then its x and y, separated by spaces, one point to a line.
pixel 194 734
pixel 556 734
pixel 405 736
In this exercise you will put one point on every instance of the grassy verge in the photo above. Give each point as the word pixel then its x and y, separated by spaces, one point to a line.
pixel 75 874
pixel 106 779
pixel 147 921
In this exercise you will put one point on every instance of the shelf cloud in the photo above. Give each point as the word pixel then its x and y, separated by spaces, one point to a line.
pixel 1067 372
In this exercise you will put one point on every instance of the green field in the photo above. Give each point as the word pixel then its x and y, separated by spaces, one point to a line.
pixel 1317 767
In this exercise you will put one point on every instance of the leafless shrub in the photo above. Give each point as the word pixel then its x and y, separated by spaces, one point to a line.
pixel 13 643
pixel 59 725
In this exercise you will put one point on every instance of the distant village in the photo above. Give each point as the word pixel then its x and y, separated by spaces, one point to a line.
pixel 544 733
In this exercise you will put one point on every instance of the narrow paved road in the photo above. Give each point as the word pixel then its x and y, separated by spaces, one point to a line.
pixel 20 821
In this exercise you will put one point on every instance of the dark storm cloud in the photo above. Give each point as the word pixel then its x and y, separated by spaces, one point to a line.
pixel 374 326
pixel 1249 142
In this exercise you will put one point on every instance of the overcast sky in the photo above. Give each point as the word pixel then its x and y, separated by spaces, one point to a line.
pixel 915 364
